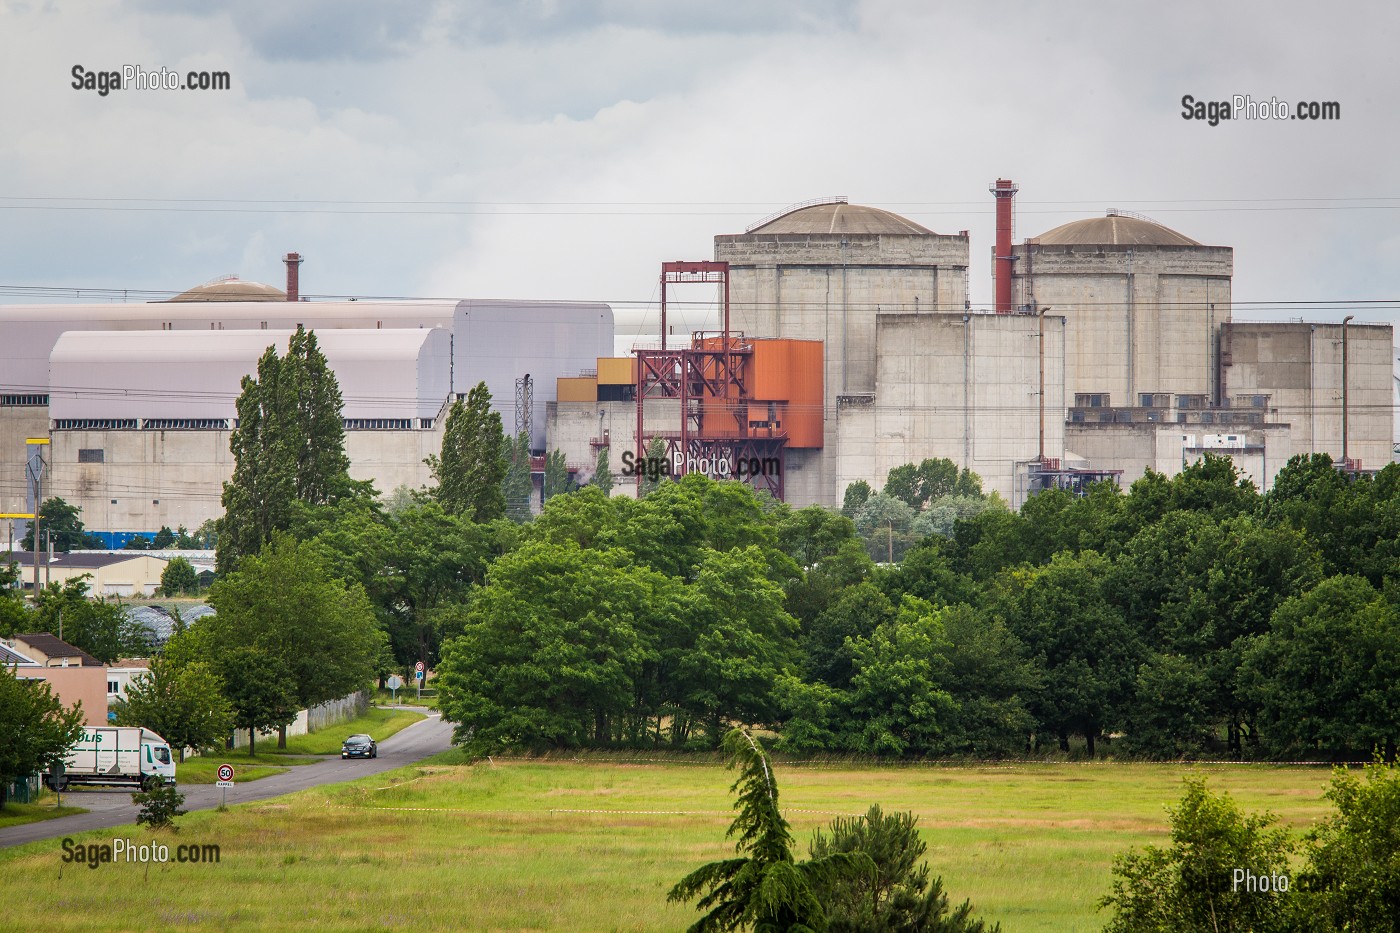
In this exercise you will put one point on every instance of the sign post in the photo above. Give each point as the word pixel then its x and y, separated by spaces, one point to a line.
pixel 420 670
pixel 394 683
pixel 225 782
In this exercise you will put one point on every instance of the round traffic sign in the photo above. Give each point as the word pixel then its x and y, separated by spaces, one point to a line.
pixel 226 772
pixel 419 666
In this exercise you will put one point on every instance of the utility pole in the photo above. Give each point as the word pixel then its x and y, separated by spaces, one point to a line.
pixel 35 469
pixel 1041 455
pixel 1346 459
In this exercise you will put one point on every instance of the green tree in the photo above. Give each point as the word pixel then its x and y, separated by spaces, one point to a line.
pixel 471 467
pixel 765 888
pixel 59 523
pixel 289 447
pixel 184 704
pixel 556 474
pixel 1352 877
pixel 164 539
pixel 259 689
pixel 179 578
pixel 991 680
pixel 554 648
pixel 518 486
pixel 602 472
pixel 743 639
pixel 898 895
pixel 856 494
pixel 1087 652
pixel 35 729
pixel 1326 677
pixel 428 561
pixel 1191 885
pixel 885 523
pixel 285 602
pixel 14 613
pixel 937 477
pixel 137 543
pixel 902 483
pixel 655 454
pixel 898 703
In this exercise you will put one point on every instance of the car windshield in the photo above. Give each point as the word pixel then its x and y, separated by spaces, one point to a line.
pixel 358 740
pixel 163 754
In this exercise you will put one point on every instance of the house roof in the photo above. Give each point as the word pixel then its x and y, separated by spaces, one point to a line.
pixel 51 646
pixel 10 657
pixel 78 560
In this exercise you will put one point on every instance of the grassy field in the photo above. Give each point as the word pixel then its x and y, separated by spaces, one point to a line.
pixel 16 814
pixel 378 723
pixel 202 770
pixel 511 844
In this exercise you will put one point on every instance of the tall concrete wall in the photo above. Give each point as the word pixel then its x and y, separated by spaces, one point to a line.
pixel 572 426
pixel 149 479
pixel 1299 366
pixel 1141 318
pixel 832 287
pixel 960 386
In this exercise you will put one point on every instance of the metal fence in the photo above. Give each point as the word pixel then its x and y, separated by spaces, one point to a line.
pixel 318 717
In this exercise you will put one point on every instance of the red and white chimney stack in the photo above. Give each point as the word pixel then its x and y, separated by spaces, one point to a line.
pixel 1004 191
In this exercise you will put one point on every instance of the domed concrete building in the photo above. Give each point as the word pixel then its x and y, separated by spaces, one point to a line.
pixel 231 288
pixel 826 270
pixel 1143 305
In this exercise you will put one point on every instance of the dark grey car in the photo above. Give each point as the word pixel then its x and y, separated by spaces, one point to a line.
pixel 359 746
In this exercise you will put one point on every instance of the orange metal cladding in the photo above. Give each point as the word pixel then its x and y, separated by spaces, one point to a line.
pixel 789 372
pixel 718 413
pixel 617 371
pixel 577 389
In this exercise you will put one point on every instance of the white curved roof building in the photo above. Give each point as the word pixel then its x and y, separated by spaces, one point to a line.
pixel 195 376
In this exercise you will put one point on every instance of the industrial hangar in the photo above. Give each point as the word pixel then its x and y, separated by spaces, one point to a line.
pixel 846 346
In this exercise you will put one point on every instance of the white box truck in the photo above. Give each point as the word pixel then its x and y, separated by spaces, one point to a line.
pixel 116 755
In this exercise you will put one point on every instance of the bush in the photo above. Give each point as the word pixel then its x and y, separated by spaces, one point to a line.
pixel 1352 881
pixel 159 806
pixel 1190 886
pixel 898 895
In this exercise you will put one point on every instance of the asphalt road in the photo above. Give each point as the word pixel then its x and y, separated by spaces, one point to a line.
pixel 113 807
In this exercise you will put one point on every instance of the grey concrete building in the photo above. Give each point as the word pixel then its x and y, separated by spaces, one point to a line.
pixel 1143 304
pixel 827 271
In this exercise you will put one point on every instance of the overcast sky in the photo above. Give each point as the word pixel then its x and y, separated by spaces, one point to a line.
pixel 570 147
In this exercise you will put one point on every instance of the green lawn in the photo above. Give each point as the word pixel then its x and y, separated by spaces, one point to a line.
pixel 202 770
pixel 378 723
pixel 512 844
pixel 407 696
pixel 16 814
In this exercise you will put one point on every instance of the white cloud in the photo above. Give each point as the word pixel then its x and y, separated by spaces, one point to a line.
pixel 660 125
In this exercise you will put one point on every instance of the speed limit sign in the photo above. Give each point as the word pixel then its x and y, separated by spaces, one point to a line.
pixel 226 773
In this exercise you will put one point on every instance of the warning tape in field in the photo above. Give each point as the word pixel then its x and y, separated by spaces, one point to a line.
pixel 1007 763
pixel 333 806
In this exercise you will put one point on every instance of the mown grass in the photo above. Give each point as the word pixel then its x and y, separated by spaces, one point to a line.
pixel 378 723
pixel 17 814
pixel 203 770
pixel 407 696
pixel 514 844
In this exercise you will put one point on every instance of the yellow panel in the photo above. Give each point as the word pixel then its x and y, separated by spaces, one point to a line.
pixel 578 389
pixel 617 370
